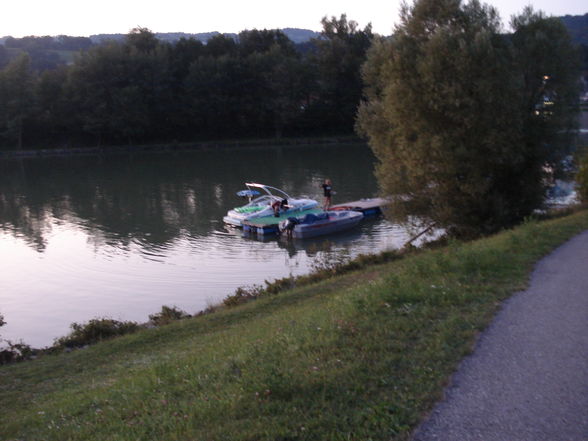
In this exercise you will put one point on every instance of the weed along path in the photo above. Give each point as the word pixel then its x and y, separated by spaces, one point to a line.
pixel 527 379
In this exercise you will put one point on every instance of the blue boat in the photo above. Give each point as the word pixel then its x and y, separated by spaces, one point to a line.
pixel 328 222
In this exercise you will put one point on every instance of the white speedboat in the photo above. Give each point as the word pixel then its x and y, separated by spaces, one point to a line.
pixel 262 202
pixel 312 225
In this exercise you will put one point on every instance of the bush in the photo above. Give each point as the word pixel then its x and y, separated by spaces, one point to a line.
pixel 323 267
pixel 15 352
pixel 94 331
pixel 168 315
pixel 243 294
pixel 582 179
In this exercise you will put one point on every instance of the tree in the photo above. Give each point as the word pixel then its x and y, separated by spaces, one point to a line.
pixel 4 58
pixel 221 45
pixel 549 65
pixel 142 40
pixel 214 87
pixel 341 51
pixel 16 99
pixel 256 41
pixel 275 78
pixel 2 322
pixel 123 91
pixel 451 114
pixel 105 88
pixel 582 179
pixel 52 122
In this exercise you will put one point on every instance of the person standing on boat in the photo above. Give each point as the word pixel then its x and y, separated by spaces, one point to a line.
pixel 327 190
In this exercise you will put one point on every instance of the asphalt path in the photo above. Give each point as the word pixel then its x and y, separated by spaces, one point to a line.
pixel 527 379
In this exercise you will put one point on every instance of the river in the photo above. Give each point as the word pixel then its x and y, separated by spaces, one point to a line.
pixel 119 236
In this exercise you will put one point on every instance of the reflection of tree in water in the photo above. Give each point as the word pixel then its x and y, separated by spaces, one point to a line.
pixel 18 218
pixel 321 245
pixel 115 204
pixel 155 199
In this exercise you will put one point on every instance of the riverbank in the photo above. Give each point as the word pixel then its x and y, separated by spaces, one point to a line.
pixel 178 147
pixel 358 356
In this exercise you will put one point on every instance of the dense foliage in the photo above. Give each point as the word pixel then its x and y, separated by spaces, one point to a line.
pixel 94 331
pixel 468 124
pixel 146 90
pixel 582 179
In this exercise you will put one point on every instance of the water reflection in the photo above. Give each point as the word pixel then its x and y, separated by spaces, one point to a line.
pixel 155 198
pixel 121 235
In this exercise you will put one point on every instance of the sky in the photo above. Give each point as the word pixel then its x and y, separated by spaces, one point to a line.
pixel 20 18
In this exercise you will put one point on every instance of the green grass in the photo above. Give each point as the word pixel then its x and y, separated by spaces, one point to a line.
pixel 362 356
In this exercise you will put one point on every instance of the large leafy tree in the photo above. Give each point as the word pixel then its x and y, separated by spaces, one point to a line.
pixel 453 112
pixel 122 91
pixel 53 121
pixel 16 99
pixel 275 83
pixel 340 52
pixel 214 88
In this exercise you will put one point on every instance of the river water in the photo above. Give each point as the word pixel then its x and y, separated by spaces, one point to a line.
pixel 119 236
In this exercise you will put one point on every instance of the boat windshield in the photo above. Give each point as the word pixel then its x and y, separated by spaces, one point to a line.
pixel 272 191
pixel 264 200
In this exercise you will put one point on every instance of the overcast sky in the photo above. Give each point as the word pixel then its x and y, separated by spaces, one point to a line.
pixel 82 17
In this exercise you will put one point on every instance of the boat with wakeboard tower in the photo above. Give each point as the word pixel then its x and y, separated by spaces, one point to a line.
pixel 265 200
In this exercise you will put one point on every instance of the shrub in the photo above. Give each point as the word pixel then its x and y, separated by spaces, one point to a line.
pixel 15 352
pixel 323 267
pixel 243 294
pixel 582 179
pixel 94 331
pixel 168 315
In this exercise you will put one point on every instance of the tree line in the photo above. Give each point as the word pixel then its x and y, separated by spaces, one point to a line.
pixel 144 90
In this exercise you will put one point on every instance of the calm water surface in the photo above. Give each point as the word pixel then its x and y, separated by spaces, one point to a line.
pixel 122 235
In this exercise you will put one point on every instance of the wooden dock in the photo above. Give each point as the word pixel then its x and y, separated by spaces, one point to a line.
pixel 270 224
pixel 369 207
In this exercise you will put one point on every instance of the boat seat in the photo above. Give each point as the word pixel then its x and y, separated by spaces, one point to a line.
pixel 311 218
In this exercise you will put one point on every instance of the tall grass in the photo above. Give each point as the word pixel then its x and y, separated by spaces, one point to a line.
pixel 360 356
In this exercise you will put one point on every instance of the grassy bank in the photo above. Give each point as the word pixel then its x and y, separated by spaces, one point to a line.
pixel 356 357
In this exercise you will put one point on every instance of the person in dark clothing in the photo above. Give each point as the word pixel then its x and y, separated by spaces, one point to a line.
pixel 290 225
pixel 277 205
pixel 327 190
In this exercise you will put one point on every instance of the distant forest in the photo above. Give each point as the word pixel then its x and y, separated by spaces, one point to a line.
pixel 577 26
pixel 70 91
pixel 144 87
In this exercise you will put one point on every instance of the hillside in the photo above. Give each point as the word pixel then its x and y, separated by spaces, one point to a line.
pixel 577 27
pixel 358 356
pixel 294 34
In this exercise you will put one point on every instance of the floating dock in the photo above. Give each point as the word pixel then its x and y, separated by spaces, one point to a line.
pixel 270 224
pixel 369 207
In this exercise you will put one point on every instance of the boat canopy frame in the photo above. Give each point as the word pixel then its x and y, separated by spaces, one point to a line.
pixel 268 189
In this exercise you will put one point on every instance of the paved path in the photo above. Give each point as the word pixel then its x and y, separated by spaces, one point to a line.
pixel 527 379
